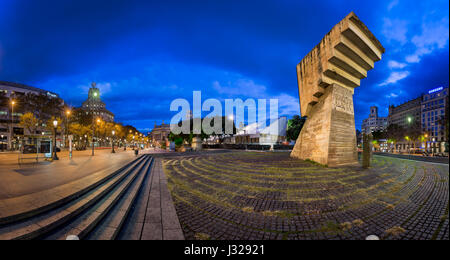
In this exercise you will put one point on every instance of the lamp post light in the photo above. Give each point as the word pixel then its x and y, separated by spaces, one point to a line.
pixel 93 132
pixel 68 112
pixel 409 120
pixel 11 132
pixel 55 125
pixel 112 141
pixel 432 146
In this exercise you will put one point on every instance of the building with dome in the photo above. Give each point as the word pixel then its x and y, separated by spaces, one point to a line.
pixel 94 105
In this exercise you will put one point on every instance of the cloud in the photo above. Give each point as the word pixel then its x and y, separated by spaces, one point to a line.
pixel 394 95
pixel 105 87
pixel 434 35
pixel 241 87
pixel 288 105
pixel 395 30
pixel 391 95
pixel 392 4
pixel 392 64
pixel 394 77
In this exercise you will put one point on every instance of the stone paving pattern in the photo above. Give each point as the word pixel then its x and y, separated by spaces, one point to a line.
pixel 153 216
pixel 254 195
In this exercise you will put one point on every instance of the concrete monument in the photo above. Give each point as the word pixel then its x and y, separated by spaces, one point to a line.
pixel 327 77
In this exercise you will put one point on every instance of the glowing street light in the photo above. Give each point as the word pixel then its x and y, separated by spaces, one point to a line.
pixel 66 126
pixel 112 140
pixel 55 125
pixel 12 122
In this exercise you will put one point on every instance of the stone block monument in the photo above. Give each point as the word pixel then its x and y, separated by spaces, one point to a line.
pixel 327 77
pixel 196 144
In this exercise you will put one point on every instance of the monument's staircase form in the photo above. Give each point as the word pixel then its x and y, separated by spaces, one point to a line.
pixel 342 57
pixel 96 213
pixel 327 77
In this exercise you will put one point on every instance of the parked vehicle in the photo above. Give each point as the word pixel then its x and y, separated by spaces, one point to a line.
pixel 416 151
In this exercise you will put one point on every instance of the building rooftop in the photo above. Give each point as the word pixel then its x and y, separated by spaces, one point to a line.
pixel 23 86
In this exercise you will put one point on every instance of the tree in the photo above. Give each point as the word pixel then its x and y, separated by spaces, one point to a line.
pixel 79 132
pixel 81 116
pixel 444 121
pixel 176 138
pixel 413 132
pixel 51 127
pixel 377 135
pixel 395 133
pixel 189 136
pixel 294 127
pixel 29 122
pixel 43 106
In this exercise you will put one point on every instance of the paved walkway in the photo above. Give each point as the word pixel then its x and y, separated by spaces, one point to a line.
pixel 29 188
pixel 20 180
pixel 154 216
pixel 32 188
pixel 431 159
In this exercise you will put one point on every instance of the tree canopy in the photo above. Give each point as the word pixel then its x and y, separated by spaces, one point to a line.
pixel 294 127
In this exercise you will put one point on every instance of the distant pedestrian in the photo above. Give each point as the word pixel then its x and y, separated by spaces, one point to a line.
pixel 136 152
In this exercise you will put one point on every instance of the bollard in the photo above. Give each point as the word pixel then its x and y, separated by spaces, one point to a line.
pixel 372 237
pixel 72 237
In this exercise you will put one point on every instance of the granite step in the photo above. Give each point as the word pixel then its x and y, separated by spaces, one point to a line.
pixel 111 225
pixel 87 220
pixel 43 223
pixel 54 198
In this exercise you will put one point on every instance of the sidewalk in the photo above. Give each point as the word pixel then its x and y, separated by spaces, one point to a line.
pixel 444 160
pixel 154 216
pixel 19 180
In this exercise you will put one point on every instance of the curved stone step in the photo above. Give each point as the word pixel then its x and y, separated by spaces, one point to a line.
pixel 87 220
pixel 45 222
pixel 110 226
pixel 57 197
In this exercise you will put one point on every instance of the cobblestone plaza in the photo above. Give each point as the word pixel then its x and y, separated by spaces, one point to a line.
pixel 226 196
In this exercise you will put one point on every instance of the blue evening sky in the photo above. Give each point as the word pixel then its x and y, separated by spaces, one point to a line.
pixel 144 54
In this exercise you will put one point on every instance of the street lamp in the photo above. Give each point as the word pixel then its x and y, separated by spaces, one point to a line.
pixel 12 123
pixel 55 125
pixel 68 112
pixel 112 140
pixel 93 132
pixel 433 146
pixel 91 110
